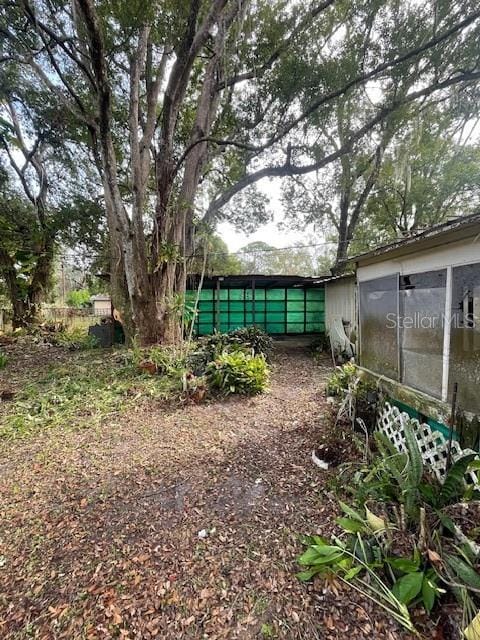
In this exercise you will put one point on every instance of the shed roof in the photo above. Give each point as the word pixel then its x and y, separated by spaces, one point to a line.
pixel 440 234
pixel 260 280
pixel 333 279
pixel 100 297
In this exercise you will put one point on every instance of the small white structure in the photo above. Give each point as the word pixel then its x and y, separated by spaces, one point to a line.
pixel 340 302
pixel 102 305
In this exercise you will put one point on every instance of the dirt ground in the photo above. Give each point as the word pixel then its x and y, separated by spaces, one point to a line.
pixel 177 523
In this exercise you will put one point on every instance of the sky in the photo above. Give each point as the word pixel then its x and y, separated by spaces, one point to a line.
pixel 269 233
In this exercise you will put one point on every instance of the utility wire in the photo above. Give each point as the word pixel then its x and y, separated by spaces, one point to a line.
pixel 240 252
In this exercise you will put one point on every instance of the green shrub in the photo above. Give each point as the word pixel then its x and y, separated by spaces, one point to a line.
pixel 75 339
pixel 341 379
pixel 238 372
pixel 79 298
pixel 209 348
pixel 3 360
pixel 252 338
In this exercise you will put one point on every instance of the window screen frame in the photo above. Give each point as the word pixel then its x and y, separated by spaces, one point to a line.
pixel 395 274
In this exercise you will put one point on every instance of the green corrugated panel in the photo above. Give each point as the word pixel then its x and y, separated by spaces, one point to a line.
pixel 295 327
pixel 275 294
pixel 295 305
pixel 276 310
pixel 295 294
pixel 317 305
pixel 315 327
pixel 275 328
pixel 275 305
pixel 205 329
pixel 315 294
pixel 295 316
pixel 259 306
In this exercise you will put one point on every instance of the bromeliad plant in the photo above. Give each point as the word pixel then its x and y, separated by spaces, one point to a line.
pixel 401 479
pixel 238 372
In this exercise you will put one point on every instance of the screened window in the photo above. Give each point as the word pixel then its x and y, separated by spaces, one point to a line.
pixel 465 337
pixel 379 325
pixel 422 312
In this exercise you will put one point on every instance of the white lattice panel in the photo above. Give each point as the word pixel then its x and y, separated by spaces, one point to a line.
pixel 432 444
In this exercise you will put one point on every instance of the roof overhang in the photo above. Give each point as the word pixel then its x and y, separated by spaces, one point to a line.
pixel 439 235
pixel 257 280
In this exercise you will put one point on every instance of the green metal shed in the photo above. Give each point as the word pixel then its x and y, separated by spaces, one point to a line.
pixel 280 305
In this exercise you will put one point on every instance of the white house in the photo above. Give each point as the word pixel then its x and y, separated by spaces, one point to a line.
pixel 419 322
pixel 102 305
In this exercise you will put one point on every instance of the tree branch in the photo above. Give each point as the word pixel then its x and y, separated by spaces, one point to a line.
pixel 289 170
pixel 274 56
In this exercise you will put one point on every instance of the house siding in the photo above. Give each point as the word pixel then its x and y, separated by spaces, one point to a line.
pixel 452 253
pixel 340 302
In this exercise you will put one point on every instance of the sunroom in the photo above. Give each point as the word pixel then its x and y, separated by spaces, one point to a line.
pixel 419 325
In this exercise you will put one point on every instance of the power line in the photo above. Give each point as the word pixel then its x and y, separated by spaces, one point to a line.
pixel 244 251
pixel 240 252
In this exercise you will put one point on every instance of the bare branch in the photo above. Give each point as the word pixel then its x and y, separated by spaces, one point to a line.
pixel 289 170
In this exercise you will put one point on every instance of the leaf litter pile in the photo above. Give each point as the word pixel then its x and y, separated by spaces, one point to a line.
pixel 176 522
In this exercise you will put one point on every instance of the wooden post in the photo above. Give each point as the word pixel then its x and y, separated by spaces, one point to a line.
pixel 217 306
pixel 304 309
pixel 253 301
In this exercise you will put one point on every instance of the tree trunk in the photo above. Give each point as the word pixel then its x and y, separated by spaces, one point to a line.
pixel 130 285
pixel 27 298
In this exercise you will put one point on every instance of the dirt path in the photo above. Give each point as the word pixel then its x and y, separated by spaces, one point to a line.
pixel 176 524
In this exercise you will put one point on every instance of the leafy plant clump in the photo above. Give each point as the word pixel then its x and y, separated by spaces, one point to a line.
pixel 209 348
pixel 399 546
pixel 232 362
pixel 341 379
pixel 76 339
pixel 3 360
pixel 252 338
pixel 238 372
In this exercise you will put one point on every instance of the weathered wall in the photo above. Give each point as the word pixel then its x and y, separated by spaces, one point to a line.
pixel 340 302
pixel 102 307
pixel 454 253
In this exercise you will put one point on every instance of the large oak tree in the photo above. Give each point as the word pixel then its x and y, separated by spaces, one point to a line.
pixel 186 105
